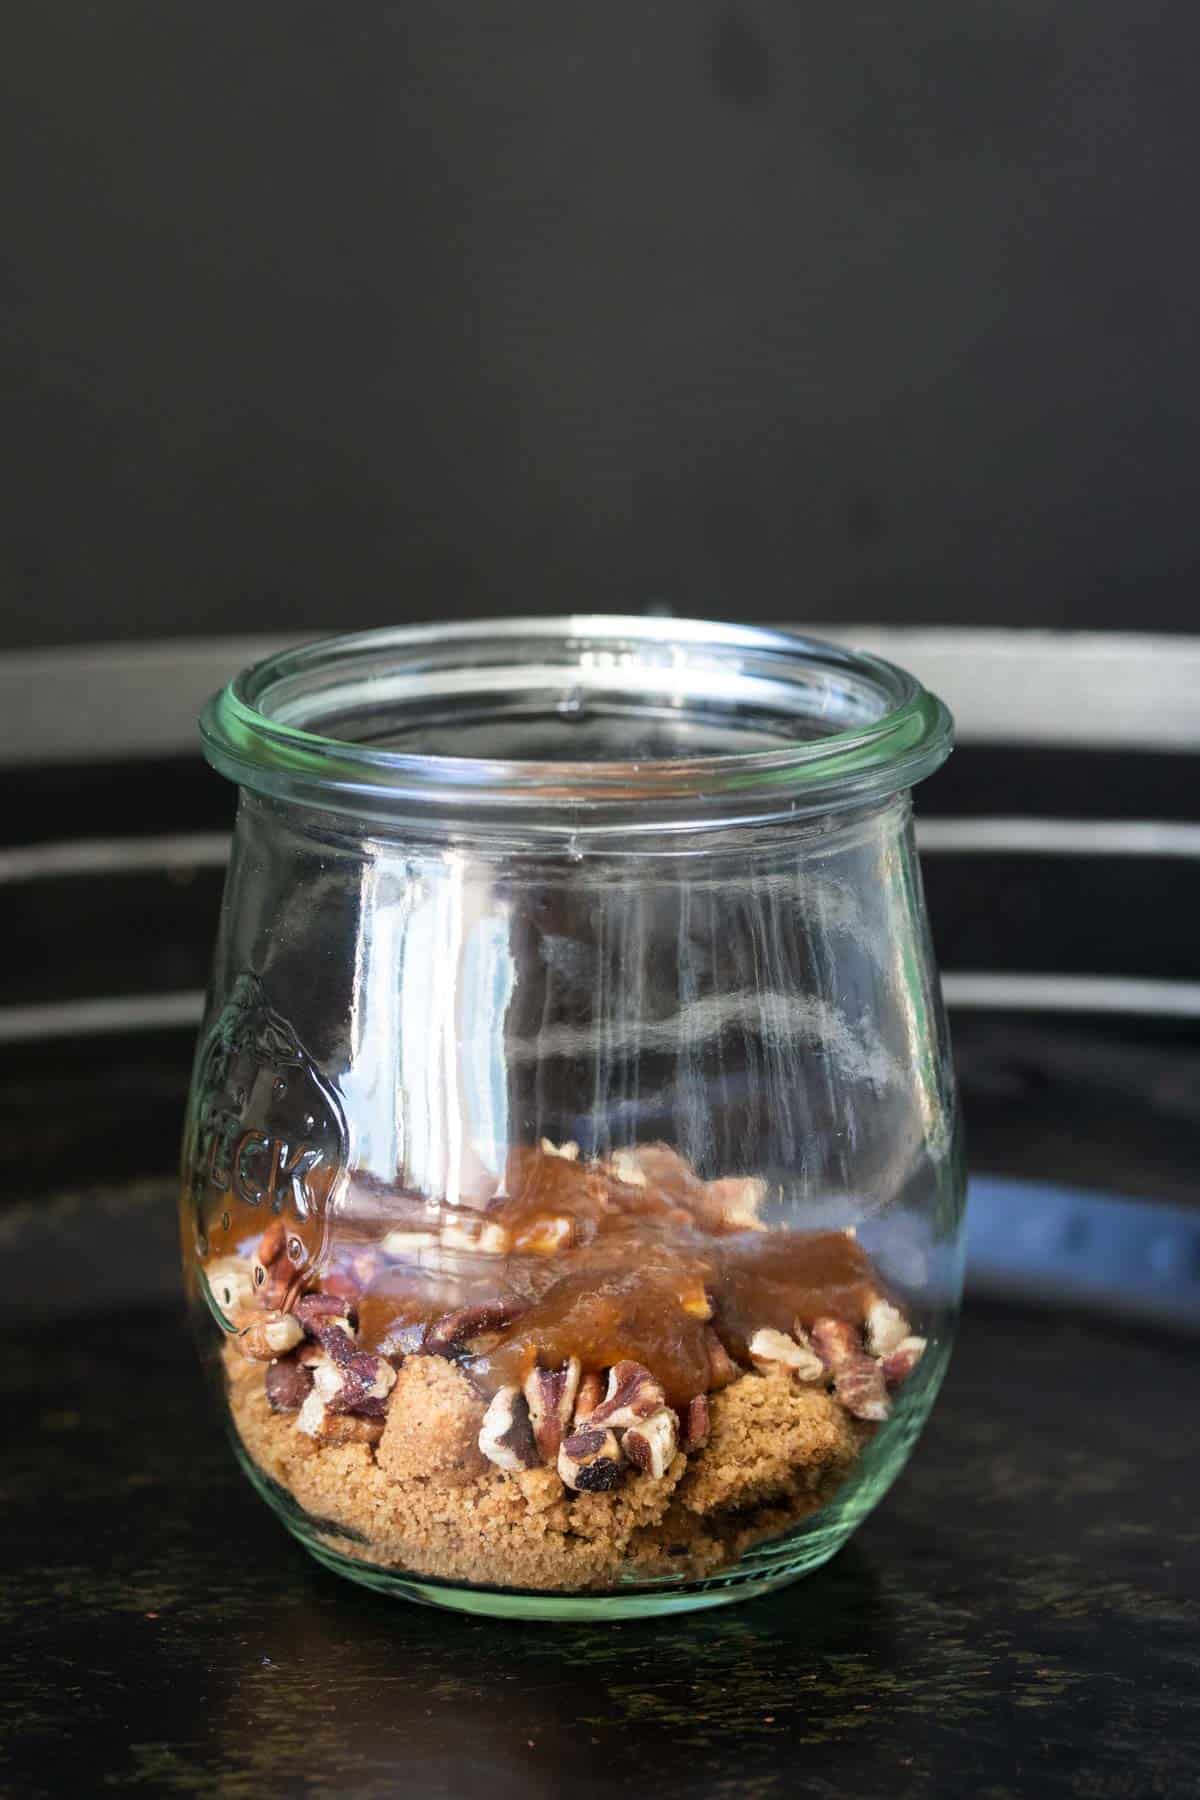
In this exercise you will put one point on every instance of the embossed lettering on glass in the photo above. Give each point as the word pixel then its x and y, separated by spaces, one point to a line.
pixel 572 1184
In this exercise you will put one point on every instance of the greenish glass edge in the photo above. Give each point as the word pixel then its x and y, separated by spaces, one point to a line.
pixel 248 748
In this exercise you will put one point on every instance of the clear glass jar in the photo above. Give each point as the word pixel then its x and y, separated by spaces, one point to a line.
pixel 572 1183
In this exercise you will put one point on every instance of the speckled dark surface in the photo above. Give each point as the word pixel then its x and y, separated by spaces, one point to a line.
pixel 1021 1616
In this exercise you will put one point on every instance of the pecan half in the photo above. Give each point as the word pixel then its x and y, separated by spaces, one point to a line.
pixel 506 1435
pixel 885 1328
pixel 288 1385
pixel 633 1394
pixel 272 1335
pixel 650 1445
pixel 550 1395
pixel 589 1461
pixel 453 1330
pixel 697 1424
pixel 899 1363
pixel 774 1352
pixel 857 1378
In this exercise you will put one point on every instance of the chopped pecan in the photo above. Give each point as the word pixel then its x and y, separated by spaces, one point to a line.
pixel 899 1363
pixel 272 1335
pixel 568 1151
pixel 589 1461
pixel 482 1237
pixel 354 1381
pixel 732 1202
pixel 663 1168
pixel 885 1328
pixel 288 1385
pixel 506 1435
pixel 722 1368
pixel 835 1341
pixel 650 1445
pixel 404 1340
pixel 550 1394
pixel 545 1235
pixel 407 1246
pixel 697 1423
pixel 633 1394
pixel 774 1352
pixel 449 1334
pixel 624 1167
pixel 231 1287
pixel 367 1381
pixel 316 1312
pixel 860 1387
pixel 317 1420
pixel 857 1378
pixel 335 1334
pixel 271 1269
pixel 591 1392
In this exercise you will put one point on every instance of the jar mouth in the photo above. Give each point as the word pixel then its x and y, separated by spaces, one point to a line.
pixel 597 722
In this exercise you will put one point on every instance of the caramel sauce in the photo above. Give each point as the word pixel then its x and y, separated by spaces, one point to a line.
pixel 633 1273
pixel 627 1297
pixel 785 1278
pixel 541 1187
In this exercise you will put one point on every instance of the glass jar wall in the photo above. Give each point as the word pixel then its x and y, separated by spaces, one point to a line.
pixel 572 1190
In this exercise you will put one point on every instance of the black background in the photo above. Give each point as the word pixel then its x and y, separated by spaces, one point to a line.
pixel 320 315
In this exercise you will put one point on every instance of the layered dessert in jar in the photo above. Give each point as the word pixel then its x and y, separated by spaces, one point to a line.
pixel 606 1371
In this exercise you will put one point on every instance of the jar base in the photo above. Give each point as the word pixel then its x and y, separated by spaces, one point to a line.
pixel 494 1603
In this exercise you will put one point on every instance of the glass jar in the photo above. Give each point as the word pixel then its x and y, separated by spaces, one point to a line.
pixel 572 1183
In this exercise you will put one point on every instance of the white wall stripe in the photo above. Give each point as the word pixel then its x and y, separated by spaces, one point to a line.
pixel 963 990
pixel 183 850
pixel 1094 689
pixel 993 991
pixel 115 856
pixel 1120 689
pixel 93 1018
pixel 1060 837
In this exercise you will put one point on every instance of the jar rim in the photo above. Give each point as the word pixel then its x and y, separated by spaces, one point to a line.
pixel 873 728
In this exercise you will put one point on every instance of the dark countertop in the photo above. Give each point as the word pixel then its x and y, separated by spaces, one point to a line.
pixel 1020 1616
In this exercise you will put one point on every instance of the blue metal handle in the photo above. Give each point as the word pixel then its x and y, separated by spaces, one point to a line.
pixel 1135 1258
